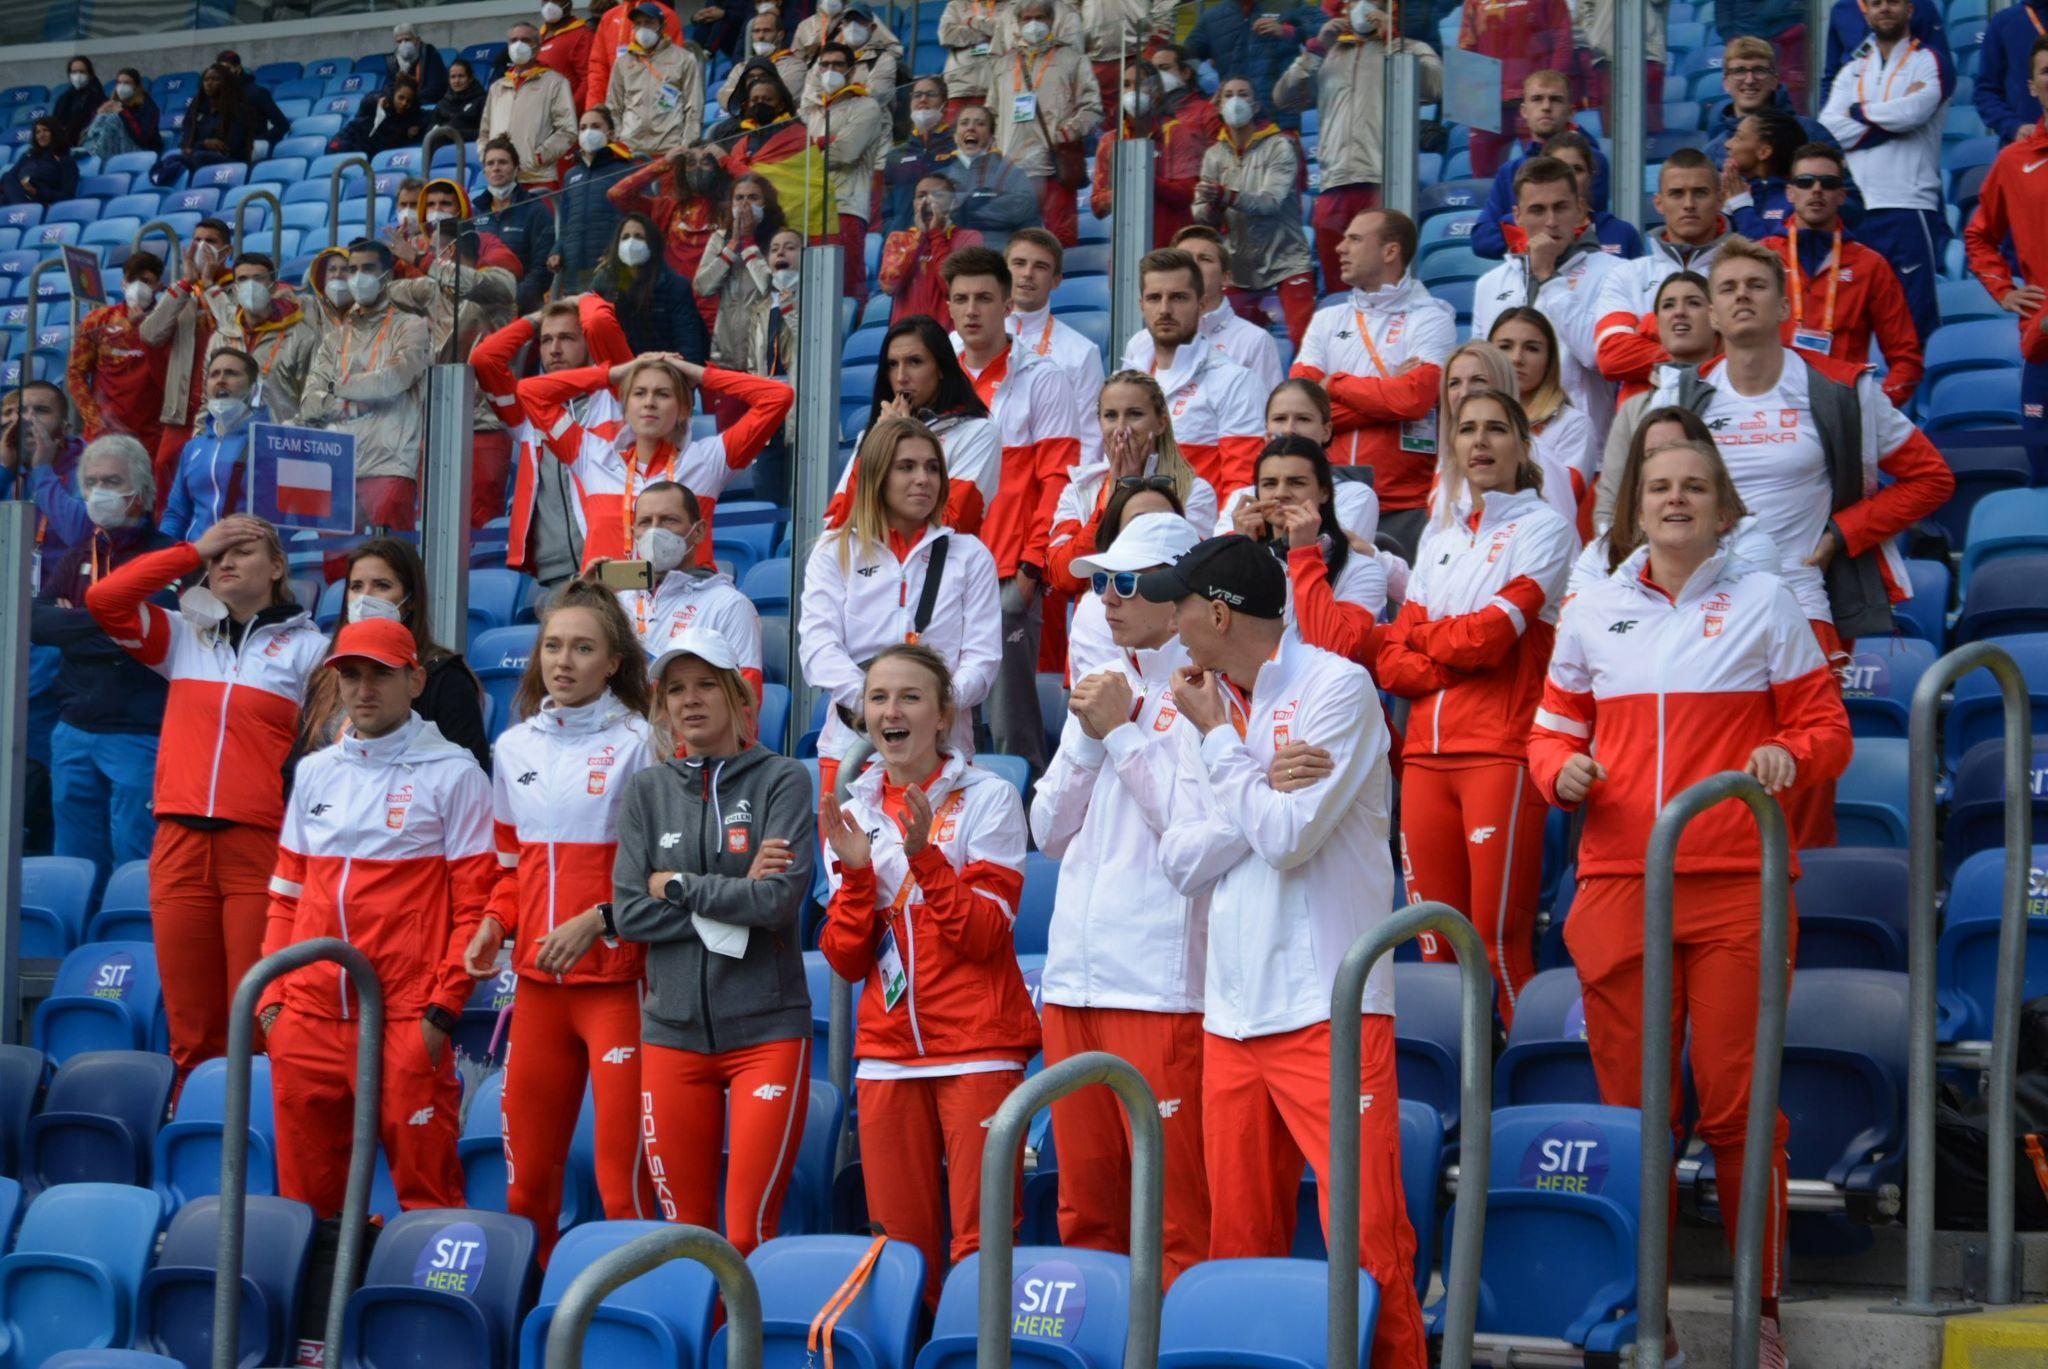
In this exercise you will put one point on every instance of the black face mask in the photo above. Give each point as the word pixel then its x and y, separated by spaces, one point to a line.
pixel 761 112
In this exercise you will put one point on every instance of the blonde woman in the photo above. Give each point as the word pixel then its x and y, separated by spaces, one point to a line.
pixel 1563 436
pixel 894 573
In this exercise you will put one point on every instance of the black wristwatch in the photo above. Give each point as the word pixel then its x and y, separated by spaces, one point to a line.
pixel 441 1018
pixel 673 890
pixel 611 928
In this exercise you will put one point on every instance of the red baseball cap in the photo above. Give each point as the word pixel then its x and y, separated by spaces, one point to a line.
pixel 383 640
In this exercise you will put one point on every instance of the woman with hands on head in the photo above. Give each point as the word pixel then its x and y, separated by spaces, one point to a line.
pixel 716 844
pixel 1684 662
pixel 927 866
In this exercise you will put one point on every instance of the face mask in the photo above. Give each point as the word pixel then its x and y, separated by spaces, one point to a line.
pixel 124 90
pixel 251 295
pixel 784 277
pixel 760 112
pixel 407 51
pixel 831 80
pixel 831 8
pixel 337 291
pixel 140 294
pixel 365 286
pixel 408 218
pixel 551 13
pixel 227 410
pixel 78 80
pixel 591 140
pixel 521 53
pixel 107 508
pixel 1035 32
pixel 646 37
pixel 1169 81
pixel 858 34
pixel 700 178
pixel 1137 102
pixel 435 216
pixel 762 49
pixel 1236 111
pixel 364 608
pixel 1361 19
pixel 634 251
pixel 661 548
pixel 925 120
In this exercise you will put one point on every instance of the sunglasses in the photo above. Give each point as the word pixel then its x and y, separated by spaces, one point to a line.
pixel 1161 483
pixel 1818 182
pixel 1124 582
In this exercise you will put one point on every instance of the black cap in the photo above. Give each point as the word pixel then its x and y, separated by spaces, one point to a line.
pixel 647 9
pixel 1232 569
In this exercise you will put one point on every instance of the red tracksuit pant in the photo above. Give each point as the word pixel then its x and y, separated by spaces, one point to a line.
pixel 909 1130
pixel 1266 1102
pixel 1810 809
pixel 313 1073
pixel 1713 990
pixel 210 902
pixel 685 1097
pixel 561 1036
pixel 1472 837
pixel 1093 1140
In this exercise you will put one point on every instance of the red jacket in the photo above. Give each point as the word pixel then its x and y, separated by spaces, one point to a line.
pixel 1526 35
pixel 909 271
pixel 1181 138
pixel 1868 300
pixel 2013 204
pixel 115 378
pixel 565 48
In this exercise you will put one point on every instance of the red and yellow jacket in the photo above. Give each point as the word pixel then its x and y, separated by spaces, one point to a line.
pixel 1181 138
pixel 1867 301
pixel 115 378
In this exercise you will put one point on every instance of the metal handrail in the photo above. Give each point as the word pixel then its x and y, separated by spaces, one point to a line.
pixel 341 168
pixel 234 1146
pixel 1475 1126
pixel 840 1025
pixel 1774 973
pixel 736 1286
pixel 23 379
pixel 1923 772
pixel 276 221
pixel 437 135
pixel 999 1202
pixel 169 230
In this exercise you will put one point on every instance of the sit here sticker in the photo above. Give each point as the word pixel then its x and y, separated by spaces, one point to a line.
pixel 1571 1157
pixel 453 1261
pixel 1047 1302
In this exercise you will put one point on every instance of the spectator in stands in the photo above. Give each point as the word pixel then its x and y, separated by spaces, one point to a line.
pixel 126 122
pixel 1124 947
pixel 1115 36
pixel 877 53
pixel 1037 265
pixel 1893 138
pixel 947 852
pixel 116 376
pixel 1177 160
pixel 656 88
pixel 996 197
pixel 1342 73
pixel 911 257
pixel 387 579
pixel 406 206
pixel 580 735
pixel 853 131
pixel 1765 704
pixel 1242 341
pixel 2013 211
pixel 1248 188
pixel 240 662
pixel 1618 237
pixel 654 304
pixel 564 48
pixel 1052 105
pixel 1292 501
pixel 367 379
pixel 667 532
pixel 717 31
pixel 1779 22
pixel 266 121
pixel 461 106
pixel 1689 199
pixel 521 216
pixel 766 42
pixel 386 119
pixel 46 173
pixel 1685 330
pixel 103 750
pixel 1758 163
pixel 682 196
pixel 735 268
pixel 1749 73
pixel 218 128
pixel 584 205
pixel 1847 28
pixel 533 106
pixel 2005 93
pixel 1360 350
pixel 421 61
pixel 211 479
pixel 1621 482
pixel 968 31
pixel 1546 113
pixel 411 910
pixel 1862 298
pixel 1533 43
pixel 1215 397
pixel 324 292
pixel 1090 645
pixel 1593 37
pixel 182 323
pixel 926 150
pixel 921 378
pixel 1244 39
pixel 52 453
pixel 616 28
pixel 1563 443
pixel 79 99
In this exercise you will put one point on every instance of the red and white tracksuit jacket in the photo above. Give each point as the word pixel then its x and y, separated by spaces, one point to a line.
pixel 1038 425
pixel 2013 189
pixel 696 598
pixel 1245 343
pixel 599 449
pixel 1078 521
pixel 1218 413
pixel 1570 299
pixel 493 362
pixel 851 611
pixel 232 715
pixel 1382 419
pixel 1626 346
pixel 1850 306
pixel 1079 359
pixel 974 469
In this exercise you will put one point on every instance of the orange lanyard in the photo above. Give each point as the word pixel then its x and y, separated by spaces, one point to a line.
pixel 1911 43
pixel 1242 714
pixel 1834 264
pixel 348 337
pixel 903 891
pixel 1045 338
pixel 2035 20
pixel 1018 59
pixel 1365 336
pixel 626 504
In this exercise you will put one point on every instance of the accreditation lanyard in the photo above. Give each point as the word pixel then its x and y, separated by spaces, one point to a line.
pixel 1911 44
pixel 1834 270
pixel 1365 336
pixel 348 337
pixel 1017 59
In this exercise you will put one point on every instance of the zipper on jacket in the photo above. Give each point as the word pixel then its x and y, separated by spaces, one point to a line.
pixel 703 953
pixel 220 736
pixel 910 975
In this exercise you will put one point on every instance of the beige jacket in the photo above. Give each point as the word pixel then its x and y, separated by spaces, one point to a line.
pixel 488 297
pixel 739 281
pixel 878 62
pixel 537 111
pixel 657 99
pixel 174 319
pixel 1115 28
pixel 788 66
pixel 1348 86
pixel 1593 28
pixel 1262 212
pixel 284 352
pixel 860 135
pixel 369 378
pixel 976 32
pixel 1069 103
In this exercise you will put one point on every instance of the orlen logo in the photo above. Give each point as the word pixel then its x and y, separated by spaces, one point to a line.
pixel 453 1261
pixel 114 977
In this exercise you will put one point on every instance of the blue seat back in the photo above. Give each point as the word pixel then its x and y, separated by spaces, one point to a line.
pixel 77 1265
pixel 1426 1045
pixel 444 1286
pixel 797 1276
pixel 1547 1059
pixel 1976 810
pixel 99 1120
pixel 22 1069
pixel 106 997
pixel 1878 681
pixel 2002 598
pixel 663 1317
pixel 186 1165
pixel 807 1205
pixel 1069 1310
pixel 1422 1171
pixel 2005 523
pixel 1967 956
pixel 1034 909
pixel 1851 903
pixel 174 1313
pixel 1978 713
pixel 774 717
pixel 767 584
pixel 57 891
pixel 1844 1073
pixel 1870 798
pixel 494 597
pixel 499 656
pixel 1204 1320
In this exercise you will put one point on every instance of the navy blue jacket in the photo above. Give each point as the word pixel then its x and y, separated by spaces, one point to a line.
pixel 527 227
pixel 74 108
pixel 105 689
pixel 1500 201
pixel 432 74
pixel 588 216
pixel 2001 98
pixel 1757 18
pixel 669 323
pixel 203 123
pixel 1725 120
pixel 270 123
pixel 1847 29
pixel 1223 36
pixel 51 175
pixel 364 133
pixel 907 163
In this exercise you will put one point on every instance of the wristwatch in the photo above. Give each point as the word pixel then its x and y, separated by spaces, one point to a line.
pixel 673 890
pixel 441 1018
pixel 611 928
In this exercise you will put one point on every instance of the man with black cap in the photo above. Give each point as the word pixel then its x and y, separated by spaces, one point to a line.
pixel 1296 867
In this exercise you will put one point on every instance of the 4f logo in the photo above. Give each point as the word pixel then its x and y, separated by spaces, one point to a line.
pixel 529 777
pixel 867 572
pixel 768 1093
pixel 1623 626
pixel 1168 1106
pixel 317 809
pixel 669 839
pixel 618 1055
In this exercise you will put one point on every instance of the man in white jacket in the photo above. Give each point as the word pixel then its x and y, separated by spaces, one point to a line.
pixel 1296 869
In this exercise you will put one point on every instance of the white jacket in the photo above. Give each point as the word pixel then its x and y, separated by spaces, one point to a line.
pixel 694 598
pixel 1894 148
pixel 1571 301
pixel 1293 879
pixel 850 615
pixel 1247 344
pixel 1079 359
pixel 1122 936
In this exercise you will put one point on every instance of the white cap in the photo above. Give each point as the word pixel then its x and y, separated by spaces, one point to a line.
pixel 1150 539
pixel 706 644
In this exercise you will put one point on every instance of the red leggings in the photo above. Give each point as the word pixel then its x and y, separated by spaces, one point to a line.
pixel 1472 837
pixel 561 1036
pixel 910 1129
pixel 685 1097
pixel 1713 989
pixel 1810 808
pixel 210 897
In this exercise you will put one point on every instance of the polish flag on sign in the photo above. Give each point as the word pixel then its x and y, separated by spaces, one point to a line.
pixel 305 488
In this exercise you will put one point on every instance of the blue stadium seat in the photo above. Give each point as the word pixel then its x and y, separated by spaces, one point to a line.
pixel 767 584
pixel 1086 259
pixel 21 1085
pixel 352 83
pixel 78 211
pixel 863 345
pixel 322 170
pixel 663 1317
pixel 204 199
pixel 54 234
pixel 807 1206
pixel 1422 1173
pixel 482 1147
pixel 327 68
pixel 1977 714
pixel 106 998
pixel 406 159
pixel 1204 1323
pixel 774 719
pixel 111 230
pixel 300 145
pixel 1034 909
pixel 1988 398
pixel 499 656
pixel 323 126
pixel 2002 598
pixel 174 1310
pixel 1925 615
pixel 1851 904
pixel 494 594
pixel 54 893
pixel 278 170
pixel 1089 229
pixel 1086 294
pixel 1054 1287
pixel 1878 682
pixel 797 1276
pixel 444 1286
pixel 818 980
pixel 1093 325
pixel 1450 195
pixel 1451 260
pixel 775 648
pixel 76 1266
pixel 1015 769
pixel 186 1162
pixel 285 80
pixel 1870 799
pixel 1976 810
pixel 305 208
pixel 487 1001
pixel 1426 1045
pixel 1966 958
pixel 138 205
pixel 1979 471
pixel 219 176
pixel 1844 1077
pixel 1965 301
pixel 15 97
pixel 2005 523
pixel 1547 1059
pixel 134 163
pixel 99 1120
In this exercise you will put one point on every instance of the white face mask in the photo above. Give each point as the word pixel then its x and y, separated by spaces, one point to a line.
pixel 634 251
pixel 407 51
pixel 520 52
pixel 551 13
pixel 227 410
pixel 363 608
pixel 1236 111
pixel 1137 102
pixel 646 37
pixel 107 508
pixel 857 34
pixel 251 295
pixel 1035 32
pixel 831 80
pixel 365 286
pixel 140 294
pixel 591 140
pixel 1361 19
pixel 763 49
pixel 337 291
pixel 831 8
pixel 925 120
pixel 1169 81
pixel 662 548
pixel 435 216
pixel 784 277
pixel 78 80
pixel 124 90
pixel 408 218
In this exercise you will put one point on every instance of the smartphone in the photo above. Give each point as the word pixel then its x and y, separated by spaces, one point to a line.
pixel 621 575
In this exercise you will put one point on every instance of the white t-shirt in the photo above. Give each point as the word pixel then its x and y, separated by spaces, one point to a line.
pixel 1774 455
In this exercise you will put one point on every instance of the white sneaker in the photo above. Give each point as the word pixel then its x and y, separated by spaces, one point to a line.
pixel 1674 1356
pixel 1771 1346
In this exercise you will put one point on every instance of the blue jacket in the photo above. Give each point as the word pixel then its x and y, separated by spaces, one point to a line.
pixel 1726 119
pixel 271 125
pixel 105 690
pixel 588 216
pixel 209 484
pixel 51 174
pixel 1223 37
pixel 2002 99
pixel 1847 29
pixel 1757 18
pixel 1500 201
pixel 527 228
pixel 431 72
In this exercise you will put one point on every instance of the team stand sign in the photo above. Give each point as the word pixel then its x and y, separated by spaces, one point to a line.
pixel 303 477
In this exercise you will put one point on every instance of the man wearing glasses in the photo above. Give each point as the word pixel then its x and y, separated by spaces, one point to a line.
pixel 1749 73
pixel 1841 292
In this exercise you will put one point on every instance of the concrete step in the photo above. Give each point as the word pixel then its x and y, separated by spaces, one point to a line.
pixel 1699 1255
pixel 1824 1329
